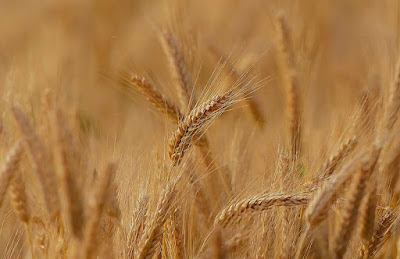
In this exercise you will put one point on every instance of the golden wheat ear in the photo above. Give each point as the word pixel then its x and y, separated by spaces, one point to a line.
pixel 68 171
pixel 287 64
pixel 151 238
pixel 381 235
pixel 235 212
pixel 182 139
pixel 41 163
pixel 99 200
pixel 179 70
pixel 158 100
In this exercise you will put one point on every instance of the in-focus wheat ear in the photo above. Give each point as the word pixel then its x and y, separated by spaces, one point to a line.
pixel 184 136
pixel 160 101
pixel 235 212
pixel 41 163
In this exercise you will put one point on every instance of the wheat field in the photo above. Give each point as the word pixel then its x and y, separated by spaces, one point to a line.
pixel 199 129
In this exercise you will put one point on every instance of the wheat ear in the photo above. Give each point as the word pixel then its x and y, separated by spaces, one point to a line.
pixel 326 195
pixel 288 72
pixel 8 168
pixel 67 173
pixel 41 163
pixel 351 207
pixel 381 234
pixel 100 194
pixel 137 226
pixel 152 236
pixel 179 70
pixel 235 212
pixel 182 139
pixel 17 196
pixel 367 214
pixel 160 101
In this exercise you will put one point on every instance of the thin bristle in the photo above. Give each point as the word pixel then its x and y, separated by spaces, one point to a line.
pixel 235 75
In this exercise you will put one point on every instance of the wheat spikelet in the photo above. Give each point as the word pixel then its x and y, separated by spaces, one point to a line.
pixel 41 163
pixel 288 72
pixel 8 168
pixel 138 225
pixel 73 196
pixel 179 70
pixel 182 139
pixel 381 234
pixel 152 236
pixel 100 193
pixel 160 101
pixel 351 207
pixel 234 213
